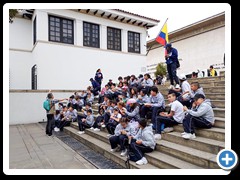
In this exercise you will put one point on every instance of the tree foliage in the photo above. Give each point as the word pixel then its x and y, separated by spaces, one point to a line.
pixel 161 69
pixel 12 14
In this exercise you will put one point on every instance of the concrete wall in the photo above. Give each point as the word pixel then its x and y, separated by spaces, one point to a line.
pixel 20 65
pixel 196 52
pixel 20 34
pixel 27 107
pixel 66 67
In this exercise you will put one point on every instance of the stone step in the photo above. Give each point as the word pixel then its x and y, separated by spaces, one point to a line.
pixel 203 84
pixel 156 158
pixel 206 79
pixel 104 149
pixel 217 89
pixel 211 96
pixel 219 122
pixel 222 73
pixel 219 112
pixel 193 156
pixel 200 143
pixel 212 133
pixel 218 103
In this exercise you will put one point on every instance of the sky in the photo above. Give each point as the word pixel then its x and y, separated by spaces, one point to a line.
pixel 178 14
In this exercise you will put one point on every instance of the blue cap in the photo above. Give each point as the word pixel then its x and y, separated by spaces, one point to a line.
pixel 168 45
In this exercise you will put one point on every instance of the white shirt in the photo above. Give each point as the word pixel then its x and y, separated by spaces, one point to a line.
pixel 177 107
pixel 185 87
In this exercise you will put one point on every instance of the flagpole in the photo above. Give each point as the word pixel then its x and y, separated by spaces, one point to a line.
pixel 161 28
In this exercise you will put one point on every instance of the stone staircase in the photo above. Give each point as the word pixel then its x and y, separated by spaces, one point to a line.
pixel 173 152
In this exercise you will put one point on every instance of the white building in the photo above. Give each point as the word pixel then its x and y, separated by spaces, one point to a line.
pixel 62 49
pixel 199 45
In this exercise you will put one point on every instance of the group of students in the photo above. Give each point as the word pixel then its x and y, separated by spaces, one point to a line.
pixel 125 112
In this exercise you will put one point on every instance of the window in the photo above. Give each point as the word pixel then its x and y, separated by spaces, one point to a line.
pixel 34 77
pixel 114 39
pixel 90 34
pixel 34 30
pixel 60 30
pixel 133 42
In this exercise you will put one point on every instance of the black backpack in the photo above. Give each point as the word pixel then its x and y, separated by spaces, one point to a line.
pixel 177 64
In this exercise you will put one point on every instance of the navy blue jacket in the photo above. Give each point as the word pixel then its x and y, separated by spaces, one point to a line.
pixel 95 84
pixel 98 77
pixel 173 56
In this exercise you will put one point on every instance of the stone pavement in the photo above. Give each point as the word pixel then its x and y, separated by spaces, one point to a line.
pixel 30 148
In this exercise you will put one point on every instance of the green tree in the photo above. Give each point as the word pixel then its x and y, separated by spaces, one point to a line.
pixel 161 69
pixel 12 14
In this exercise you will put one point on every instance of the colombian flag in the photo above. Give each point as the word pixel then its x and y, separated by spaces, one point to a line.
pixel 162 38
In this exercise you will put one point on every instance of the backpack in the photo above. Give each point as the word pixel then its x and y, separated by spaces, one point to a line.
pixel 177 64
pixel 46 105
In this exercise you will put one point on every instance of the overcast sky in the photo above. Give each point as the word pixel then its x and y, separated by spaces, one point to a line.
pixel 178 14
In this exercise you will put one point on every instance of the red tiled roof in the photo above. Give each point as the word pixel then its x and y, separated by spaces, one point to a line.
pixel 136 15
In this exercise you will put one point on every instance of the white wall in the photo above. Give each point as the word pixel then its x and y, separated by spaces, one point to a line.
pixel 20 65
pixel 27 108
pixel 197 52
pixel 20 34
pixel 68 67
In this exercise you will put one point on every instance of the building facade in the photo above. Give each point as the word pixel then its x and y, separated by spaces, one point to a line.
pixel 62 49
pixel 199 45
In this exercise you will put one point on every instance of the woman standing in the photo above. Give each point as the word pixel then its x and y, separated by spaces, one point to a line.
pixel 99 76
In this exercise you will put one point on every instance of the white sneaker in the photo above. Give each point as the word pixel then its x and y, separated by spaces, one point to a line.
pixel 124 152
pixel 92 128
pixel 96 129
pixel 157 136
pixel 103 125
pixel 171 87
pixel 109 135
pixel 168 129
pixel 142 161
pixel 56 129
pixel 114 150
pixel 81 132
pixel 183 133
pixel 177 86
pixel 189 136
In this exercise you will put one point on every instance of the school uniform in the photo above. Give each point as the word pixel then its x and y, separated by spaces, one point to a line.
pixel 87 124
pixel 201 116
pixel 177 118
pixel 111 125
pixel 148 142
pixel 158 104
pixel 121 139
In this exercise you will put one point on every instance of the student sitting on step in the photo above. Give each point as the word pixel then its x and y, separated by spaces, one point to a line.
pixel 84 111
pixel 132 112
pixel 183 91
pixel 201 115
pixel 121 133
pixel 86 122
pixel 195 89
pixel 156 104
pixel 143 142
pixel 70 116
pixel 168 120
pixel 113 121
